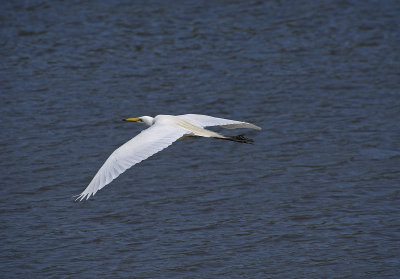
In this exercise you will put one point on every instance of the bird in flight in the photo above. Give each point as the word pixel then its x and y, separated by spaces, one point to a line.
pixel 163 131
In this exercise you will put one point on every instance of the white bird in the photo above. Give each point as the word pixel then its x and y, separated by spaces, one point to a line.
pixel 163 131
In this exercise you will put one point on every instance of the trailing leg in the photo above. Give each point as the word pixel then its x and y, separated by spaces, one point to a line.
pixel 239 138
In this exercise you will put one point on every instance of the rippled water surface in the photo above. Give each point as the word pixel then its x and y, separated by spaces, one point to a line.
pixel 316 196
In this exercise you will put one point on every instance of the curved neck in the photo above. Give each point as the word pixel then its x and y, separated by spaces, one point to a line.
pixel 148 120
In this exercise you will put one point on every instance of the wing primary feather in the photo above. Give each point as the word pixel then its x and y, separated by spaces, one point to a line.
pixel 205 121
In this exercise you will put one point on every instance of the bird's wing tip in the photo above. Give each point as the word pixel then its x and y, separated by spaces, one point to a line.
pixel 82 196
pixel 77 197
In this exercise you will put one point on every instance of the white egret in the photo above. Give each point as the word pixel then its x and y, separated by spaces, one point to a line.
pixel 163 131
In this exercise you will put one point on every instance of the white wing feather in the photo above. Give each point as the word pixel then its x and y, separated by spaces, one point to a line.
pixel 205 121
pixel 145 144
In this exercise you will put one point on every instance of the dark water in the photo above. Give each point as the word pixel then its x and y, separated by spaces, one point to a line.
pixel 317 196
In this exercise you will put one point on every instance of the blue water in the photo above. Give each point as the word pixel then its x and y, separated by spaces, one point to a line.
pixel 316 196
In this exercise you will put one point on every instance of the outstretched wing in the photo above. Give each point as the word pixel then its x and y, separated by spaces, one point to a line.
pixel 141 147
pixel 205 121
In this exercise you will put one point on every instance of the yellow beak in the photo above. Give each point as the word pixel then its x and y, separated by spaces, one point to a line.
pixel 131 119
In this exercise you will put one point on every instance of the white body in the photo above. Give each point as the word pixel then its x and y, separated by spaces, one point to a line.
pixel 163 131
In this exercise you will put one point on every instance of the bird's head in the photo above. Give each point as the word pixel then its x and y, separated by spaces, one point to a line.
pixel 148 120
